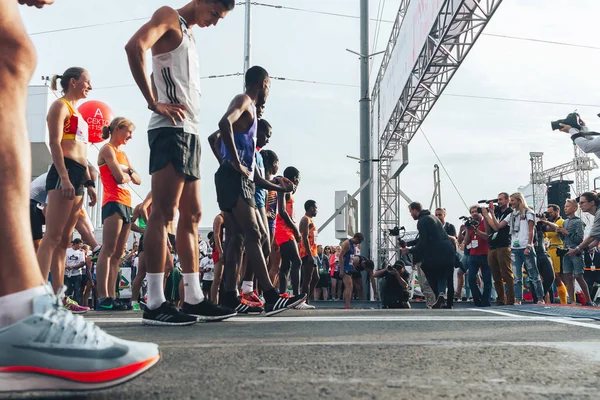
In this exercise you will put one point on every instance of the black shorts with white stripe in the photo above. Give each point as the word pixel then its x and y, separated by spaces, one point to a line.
pixel 232 185
pixel 173 145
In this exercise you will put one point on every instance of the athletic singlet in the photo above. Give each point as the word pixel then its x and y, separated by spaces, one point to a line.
pixel 260 194
pixel 283 233
pixel 245 143
pixel 349 255
pixel 112 190
pixel 75 127
pixel 312 232
pixel 272 208
pixel 177 81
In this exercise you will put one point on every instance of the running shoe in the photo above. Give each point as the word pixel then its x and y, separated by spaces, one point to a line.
pixel 440 301
pixel 304 306
pixel 105 304
pixel 167 315
pixel 252 299
pixel 207 311
pixel 73 306
pixel 250 303
pixel 53 350
pixel 136 307
pixel 284 302
pixel 236 304
pixel 119 305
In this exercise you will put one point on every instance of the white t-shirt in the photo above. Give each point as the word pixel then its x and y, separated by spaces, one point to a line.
pixel 208 269
pixel 74 257
pixel 519 228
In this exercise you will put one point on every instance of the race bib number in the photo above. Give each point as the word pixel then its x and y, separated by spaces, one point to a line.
pixel 474 244
pixel 516 243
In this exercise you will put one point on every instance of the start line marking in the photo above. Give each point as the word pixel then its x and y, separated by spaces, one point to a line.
pixel 499 316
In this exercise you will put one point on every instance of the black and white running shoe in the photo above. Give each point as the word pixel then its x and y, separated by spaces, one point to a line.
pixel 235 303
pixel 283 303
pixel 207 311
pixel 167 315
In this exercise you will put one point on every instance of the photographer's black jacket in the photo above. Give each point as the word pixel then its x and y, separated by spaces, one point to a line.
pixel 502 238
pixel 434 244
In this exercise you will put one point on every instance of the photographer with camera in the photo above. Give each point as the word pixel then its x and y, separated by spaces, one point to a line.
pixel 434 250
pixel 394 287
pixel 499 256
pixel 551 221
pixel 544 263
pixel 574 126
pixel 573 267
pixel 521 223
pixel 478 260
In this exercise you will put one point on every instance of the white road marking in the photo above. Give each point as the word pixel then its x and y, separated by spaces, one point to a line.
pixel 348 319
pixel 559 320
pixel 498 312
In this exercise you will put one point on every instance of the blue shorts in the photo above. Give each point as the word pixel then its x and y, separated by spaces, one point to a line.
pixel 572 265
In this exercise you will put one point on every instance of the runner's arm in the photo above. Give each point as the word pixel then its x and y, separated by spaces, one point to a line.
pixel 135 177
pixel 151 32
pixel 238 106
pixel 304 233
pixel 107 156
pixel 281 197
pixel 134 226
pixel 217 227
pixel 56 123
pixel 214 141
pixel 268 185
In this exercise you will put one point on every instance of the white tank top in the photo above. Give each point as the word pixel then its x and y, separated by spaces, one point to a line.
pixel 177 82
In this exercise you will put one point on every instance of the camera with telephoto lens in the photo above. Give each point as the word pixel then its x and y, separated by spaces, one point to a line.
pixel 561 252
pixel 572 120
pixel 397 231
pixel 469 221
pixel 545 215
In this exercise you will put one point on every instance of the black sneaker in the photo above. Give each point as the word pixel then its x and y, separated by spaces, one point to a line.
pixel 105 304
pixel 440 301
pixel 283 303
pixel 167 315
pixel 235 303
pixel 119 305
pixel 207 311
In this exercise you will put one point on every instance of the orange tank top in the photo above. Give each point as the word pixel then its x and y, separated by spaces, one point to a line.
pixel 112 190
pixel 75 127
pixel 284 233
pixel 312 233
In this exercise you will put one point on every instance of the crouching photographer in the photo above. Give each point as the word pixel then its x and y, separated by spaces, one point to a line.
pixel 393 284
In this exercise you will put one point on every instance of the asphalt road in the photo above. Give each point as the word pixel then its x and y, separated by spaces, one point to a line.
pixel 365 354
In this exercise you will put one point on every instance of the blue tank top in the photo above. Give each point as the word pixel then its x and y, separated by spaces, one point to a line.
pixel 245 143
pixel 349 255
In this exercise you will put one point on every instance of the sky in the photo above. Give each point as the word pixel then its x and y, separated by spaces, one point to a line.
pixel 483 144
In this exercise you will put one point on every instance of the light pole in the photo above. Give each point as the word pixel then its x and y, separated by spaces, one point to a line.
pixel 365 126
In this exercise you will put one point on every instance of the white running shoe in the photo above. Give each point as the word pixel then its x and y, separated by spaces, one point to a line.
pixel 52 349
pixel 304 306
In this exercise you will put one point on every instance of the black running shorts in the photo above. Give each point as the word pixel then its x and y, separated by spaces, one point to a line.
pixel 112 207
pixel 37 220
pixel 173 145
pixel 231 185
pixel 76 173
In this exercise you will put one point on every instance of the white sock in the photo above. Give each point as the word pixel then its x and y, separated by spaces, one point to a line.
pixel 192 292
pixel 247 287
pixel 16 306
pixel 97 248
pixel 156 293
